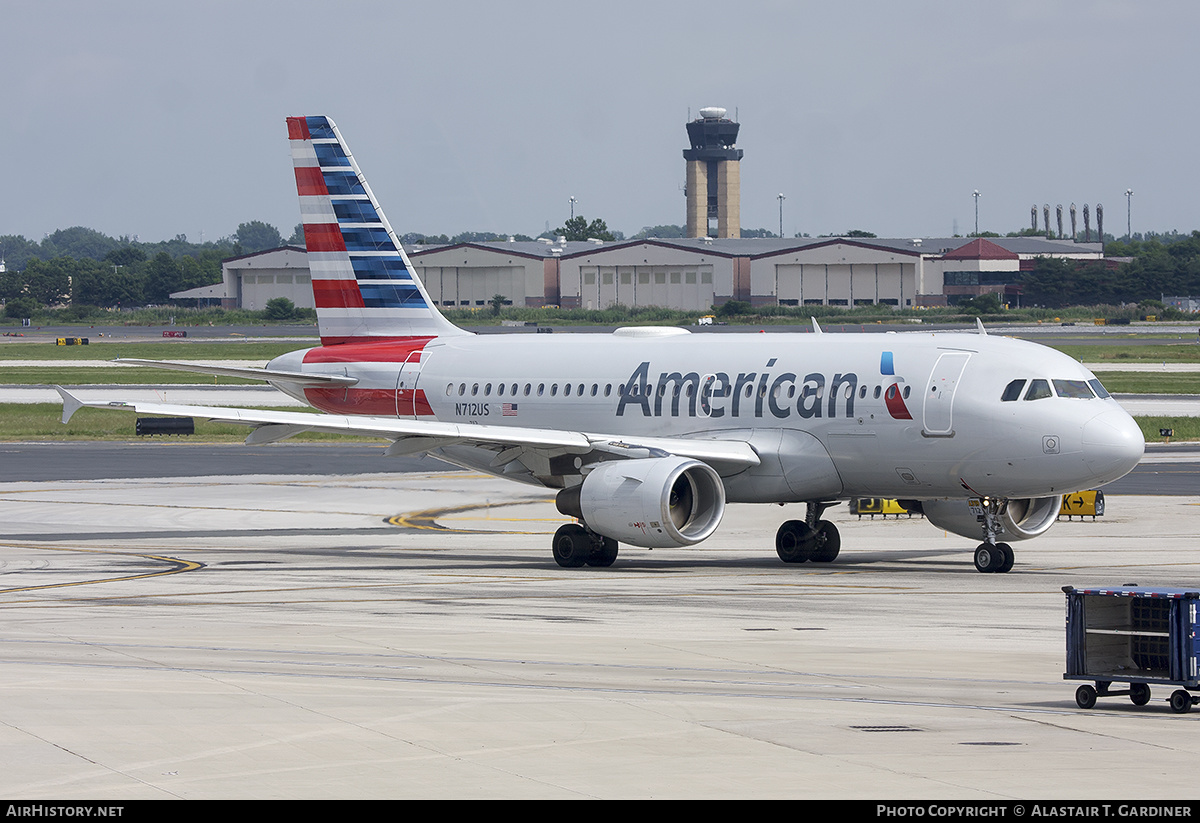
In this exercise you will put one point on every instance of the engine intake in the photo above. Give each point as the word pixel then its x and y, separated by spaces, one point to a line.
pixel 1022 518
pixel 656 502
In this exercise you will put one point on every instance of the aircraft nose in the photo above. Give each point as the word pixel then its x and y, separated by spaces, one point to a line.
pixel 1112 445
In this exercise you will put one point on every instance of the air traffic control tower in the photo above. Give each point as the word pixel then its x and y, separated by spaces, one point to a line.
pixel 713 175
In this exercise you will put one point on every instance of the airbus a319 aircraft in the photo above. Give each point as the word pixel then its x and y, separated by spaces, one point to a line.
pixel 648 433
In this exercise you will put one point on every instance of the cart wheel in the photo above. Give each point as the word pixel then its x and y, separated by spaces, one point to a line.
pixel 1181 701
pixel 1085 697
pixel 1139 693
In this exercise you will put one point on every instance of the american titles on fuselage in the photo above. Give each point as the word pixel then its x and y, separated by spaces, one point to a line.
pixel 715 394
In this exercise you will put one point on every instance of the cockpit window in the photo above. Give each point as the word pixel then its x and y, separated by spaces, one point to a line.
pixel 1100 391
pixel 1038 389
pixel 1073 388
pixel 1012 391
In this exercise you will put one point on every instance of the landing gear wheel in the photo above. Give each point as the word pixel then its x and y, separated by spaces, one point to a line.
pixel 1139 694
pixel 795 541
pixel 1181 701
pixel 829 543
pixel 572 546
pixel 1085 697
pixel 989 558
pixel 1009 558
pixel 604 554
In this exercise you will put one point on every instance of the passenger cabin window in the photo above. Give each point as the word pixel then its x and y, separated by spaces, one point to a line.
pixel 1038 389
pixel 1073 388
pixel 1012 391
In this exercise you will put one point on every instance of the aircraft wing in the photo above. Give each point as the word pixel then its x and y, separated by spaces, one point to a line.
pixel 416 436
pixel 298 378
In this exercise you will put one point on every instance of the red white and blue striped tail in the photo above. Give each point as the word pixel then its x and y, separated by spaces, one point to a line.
pixel 364 286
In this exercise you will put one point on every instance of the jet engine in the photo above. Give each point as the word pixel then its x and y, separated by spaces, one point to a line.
pixel 655 502
pixel 1021 518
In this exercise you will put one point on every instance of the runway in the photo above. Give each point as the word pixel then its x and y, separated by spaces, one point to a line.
pixel 407 634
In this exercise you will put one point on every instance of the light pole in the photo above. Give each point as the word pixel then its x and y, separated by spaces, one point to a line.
pixel 573 202
pixel 781 199
pixel 976 196
pixel 1129 214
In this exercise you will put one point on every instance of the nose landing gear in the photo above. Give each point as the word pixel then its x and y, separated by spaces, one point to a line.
pixel 992 556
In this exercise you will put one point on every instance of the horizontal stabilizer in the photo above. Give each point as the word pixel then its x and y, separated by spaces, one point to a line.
pixel 272 375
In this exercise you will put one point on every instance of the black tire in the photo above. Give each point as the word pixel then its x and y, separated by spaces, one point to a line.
pixel 1139 694
pixel 1085 697
pixel 604 555
pixel 1181 701
pixel 988 558
pixel 1009 558
pixel 829 542
pixel 572 546
pixel 795 541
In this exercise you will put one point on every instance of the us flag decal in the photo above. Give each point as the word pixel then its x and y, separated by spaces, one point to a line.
pixel 508 410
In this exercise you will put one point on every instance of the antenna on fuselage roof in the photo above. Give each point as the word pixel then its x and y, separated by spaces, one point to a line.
pixel 979 326
pixel 816 328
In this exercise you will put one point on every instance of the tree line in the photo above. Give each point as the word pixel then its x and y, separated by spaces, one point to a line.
pixel 1133 271
pixel 83 267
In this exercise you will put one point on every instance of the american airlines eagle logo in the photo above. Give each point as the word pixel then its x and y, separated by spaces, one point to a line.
pixel 892 395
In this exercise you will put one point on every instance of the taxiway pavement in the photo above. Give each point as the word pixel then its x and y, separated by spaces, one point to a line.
pixel 407 634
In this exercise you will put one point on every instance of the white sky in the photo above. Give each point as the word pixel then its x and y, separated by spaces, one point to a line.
pixel 160 118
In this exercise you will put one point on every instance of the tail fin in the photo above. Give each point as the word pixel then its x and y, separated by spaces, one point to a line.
pixel 364 286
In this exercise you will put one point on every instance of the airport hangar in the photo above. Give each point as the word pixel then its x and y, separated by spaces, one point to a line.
pixel 691 274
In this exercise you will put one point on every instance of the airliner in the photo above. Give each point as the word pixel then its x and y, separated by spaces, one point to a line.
pixel 648 433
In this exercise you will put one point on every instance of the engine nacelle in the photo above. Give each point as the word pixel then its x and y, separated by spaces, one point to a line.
pixel 1021 519
pixel 655 502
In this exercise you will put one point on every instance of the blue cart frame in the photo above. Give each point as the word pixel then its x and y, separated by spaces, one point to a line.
pixel 1135 635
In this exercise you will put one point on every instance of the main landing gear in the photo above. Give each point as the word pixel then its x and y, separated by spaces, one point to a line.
pixel 575 546
pixel 798 541
pixel 992 556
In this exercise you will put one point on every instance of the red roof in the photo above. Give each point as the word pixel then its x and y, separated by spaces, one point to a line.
pixel 980 249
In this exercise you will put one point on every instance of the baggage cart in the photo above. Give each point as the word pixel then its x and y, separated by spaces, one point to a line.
pixel 1134 635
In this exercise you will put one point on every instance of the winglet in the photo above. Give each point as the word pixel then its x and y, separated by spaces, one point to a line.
pixel 71 403
pixel 979 326
pixel 816 328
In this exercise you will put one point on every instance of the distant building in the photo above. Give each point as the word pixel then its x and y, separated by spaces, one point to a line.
pixel 691 274
pixel 1186 304
pixel 249 281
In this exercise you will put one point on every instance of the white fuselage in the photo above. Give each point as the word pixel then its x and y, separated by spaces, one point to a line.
pixel 912 415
